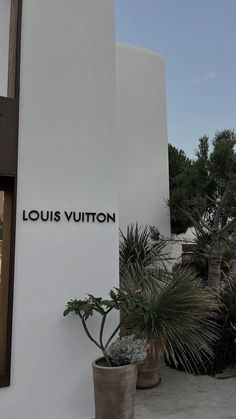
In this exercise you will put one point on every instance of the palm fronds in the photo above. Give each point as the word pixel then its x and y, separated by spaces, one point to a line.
pixel 141 246
pixel 181 315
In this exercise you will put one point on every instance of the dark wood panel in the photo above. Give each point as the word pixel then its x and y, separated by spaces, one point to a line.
pixel 14 49
pixel 5 279
pixel 8 185
pixel 9 119
pixel 8 136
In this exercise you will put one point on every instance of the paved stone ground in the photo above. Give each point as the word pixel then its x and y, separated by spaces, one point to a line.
pixel 182 396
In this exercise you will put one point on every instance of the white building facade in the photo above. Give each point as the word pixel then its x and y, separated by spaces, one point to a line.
pixel 66 162
pixel 141 133
pixel 67 166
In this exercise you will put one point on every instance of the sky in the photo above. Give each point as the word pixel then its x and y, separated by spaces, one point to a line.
pixel 197 39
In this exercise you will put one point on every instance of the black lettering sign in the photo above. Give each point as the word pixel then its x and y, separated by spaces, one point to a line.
pixel 69 216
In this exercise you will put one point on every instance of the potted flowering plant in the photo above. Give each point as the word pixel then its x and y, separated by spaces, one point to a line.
pixel 114 374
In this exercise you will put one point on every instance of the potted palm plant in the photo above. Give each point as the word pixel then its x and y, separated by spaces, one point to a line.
pixel 115 373
pixel 179 323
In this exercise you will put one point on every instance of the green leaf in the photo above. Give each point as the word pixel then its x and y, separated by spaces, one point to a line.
pixel 113 295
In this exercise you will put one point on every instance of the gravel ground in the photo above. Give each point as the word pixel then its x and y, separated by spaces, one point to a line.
pixel 182 396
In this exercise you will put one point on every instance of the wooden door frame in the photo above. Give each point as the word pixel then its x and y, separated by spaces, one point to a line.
pixel 9 180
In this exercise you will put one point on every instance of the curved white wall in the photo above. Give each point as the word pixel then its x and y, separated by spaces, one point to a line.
pixel 142 138
pixel 66 162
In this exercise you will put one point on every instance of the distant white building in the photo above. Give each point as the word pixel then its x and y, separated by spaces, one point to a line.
pixel 141 138
pixel 178 241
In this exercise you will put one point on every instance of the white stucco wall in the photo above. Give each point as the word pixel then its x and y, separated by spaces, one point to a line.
pixel 142 138
pixel 4 44
pixel 66 162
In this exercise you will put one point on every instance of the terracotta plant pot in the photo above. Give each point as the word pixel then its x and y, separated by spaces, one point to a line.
pixel 149 370
pixel 114 391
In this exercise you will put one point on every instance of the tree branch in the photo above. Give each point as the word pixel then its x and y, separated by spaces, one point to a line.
pixel 187 214
pixel 210 199
pixel 220 208
pixel 202 222
pixel 228 228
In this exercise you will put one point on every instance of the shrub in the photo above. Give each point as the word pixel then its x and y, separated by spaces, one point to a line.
pixel 181 315
pixel 142 247
pixel 127 350
pixel 224 349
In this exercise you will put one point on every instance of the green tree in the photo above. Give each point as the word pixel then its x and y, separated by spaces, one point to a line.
pixel 205 197
pixel 179 167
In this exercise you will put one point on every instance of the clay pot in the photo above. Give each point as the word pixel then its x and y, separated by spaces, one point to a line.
pixel 114 391
pixel 149 370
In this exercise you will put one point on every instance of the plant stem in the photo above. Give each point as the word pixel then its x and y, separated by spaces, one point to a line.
pixel 102 329
pixel 101 342
pixel 101 347
pixel 114 333
pixel 106 357
pixel 88 334
pixel 101 338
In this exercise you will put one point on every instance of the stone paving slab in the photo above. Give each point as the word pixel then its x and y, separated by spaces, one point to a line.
pixel 183 396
